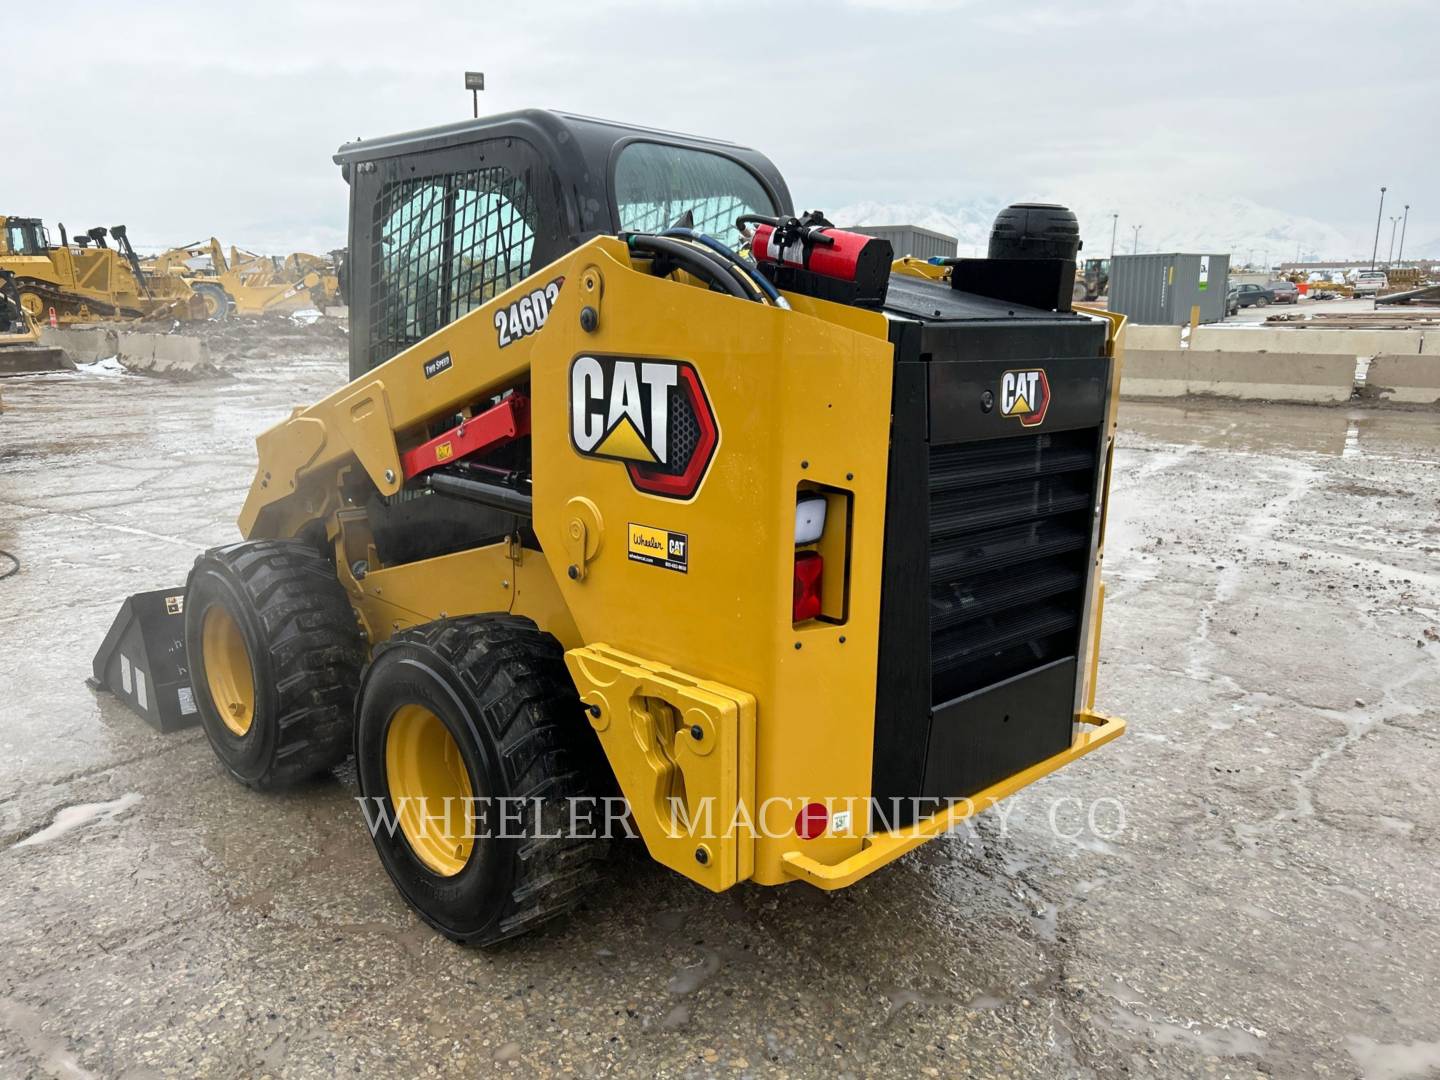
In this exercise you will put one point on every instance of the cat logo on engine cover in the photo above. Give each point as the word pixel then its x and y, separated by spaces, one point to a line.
pixel 652 415
pixel 1025 396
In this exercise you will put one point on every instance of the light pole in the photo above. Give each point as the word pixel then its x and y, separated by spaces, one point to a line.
pixel 1135 245
pixel 1394 222
pixel 1114 224
pixel 1378 215
pixel 1403 222
pixel 475 82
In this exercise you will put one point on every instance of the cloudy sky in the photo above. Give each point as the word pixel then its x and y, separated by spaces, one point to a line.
pixel 184 120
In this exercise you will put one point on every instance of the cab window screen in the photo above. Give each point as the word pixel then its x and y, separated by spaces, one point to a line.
pixel 656 184
pixel 444 245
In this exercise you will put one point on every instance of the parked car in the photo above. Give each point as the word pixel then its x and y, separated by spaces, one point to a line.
pixel 1370 281
pixel 1284 292
pixel 1254 295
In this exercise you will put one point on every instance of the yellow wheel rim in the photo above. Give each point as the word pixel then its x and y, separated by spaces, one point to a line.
pixel 212 302
pixel 32 303
pixel 227 669
pixel 430 789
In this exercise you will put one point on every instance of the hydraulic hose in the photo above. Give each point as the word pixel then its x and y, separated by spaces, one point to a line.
pixel 747 268
pixel 694 259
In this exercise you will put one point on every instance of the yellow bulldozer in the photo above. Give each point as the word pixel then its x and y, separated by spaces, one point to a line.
pixel 83 278
pixel 249 284
pixel 653 506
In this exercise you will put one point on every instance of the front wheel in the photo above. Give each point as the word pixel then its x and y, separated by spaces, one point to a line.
pixel 274 653
pixel 469 742
pixel 215 299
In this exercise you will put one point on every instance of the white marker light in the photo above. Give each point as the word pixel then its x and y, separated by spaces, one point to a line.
pixel 809 519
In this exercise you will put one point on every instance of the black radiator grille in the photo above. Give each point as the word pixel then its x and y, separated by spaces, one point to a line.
pixel 1010 527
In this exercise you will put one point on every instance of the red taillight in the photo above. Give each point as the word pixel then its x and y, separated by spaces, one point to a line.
pixel 812 821
pixel 808 568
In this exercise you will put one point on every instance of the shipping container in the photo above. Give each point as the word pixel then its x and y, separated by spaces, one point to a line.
pixel 1160 290
pixel 912 240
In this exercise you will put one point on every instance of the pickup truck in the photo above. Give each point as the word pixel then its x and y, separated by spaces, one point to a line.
pixel 1370 282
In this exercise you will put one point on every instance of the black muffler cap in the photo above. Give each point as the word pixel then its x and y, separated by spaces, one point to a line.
pixel 1035 231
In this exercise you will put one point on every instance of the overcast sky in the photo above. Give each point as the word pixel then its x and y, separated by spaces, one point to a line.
pixel 186 119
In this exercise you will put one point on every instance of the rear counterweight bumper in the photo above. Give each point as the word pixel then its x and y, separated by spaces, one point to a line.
pixel 1096 729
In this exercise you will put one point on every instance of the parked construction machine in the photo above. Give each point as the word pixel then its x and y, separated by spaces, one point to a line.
pixel 1095 279
pixel 249 284
pixel 796 550
pixel 83 278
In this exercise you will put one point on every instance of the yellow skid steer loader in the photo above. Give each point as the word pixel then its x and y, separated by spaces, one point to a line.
pixel 654 506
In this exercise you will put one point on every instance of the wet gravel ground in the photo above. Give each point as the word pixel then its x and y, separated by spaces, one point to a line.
pixel 1244 885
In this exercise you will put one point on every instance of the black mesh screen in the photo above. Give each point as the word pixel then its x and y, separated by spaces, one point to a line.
pixel 684 432
pixel 442 246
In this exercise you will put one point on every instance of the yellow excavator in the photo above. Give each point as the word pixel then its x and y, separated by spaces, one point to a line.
pixel 84 278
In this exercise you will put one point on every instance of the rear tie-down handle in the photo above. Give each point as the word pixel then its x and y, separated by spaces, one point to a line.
pixel 882 848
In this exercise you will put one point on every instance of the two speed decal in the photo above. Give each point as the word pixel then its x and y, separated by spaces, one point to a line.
pixel 528 314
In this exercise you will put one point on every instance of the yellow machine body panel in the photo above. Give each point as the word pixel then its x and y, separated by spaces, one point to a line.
pixel 676 612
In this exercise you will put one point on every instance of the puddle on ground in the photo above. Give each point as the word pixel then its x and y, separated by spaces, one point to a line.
pixel 688 980
pixel 1393 1061
pixel 75 817
pixel 53 1054
pixel 900 998
pixel 1229 1039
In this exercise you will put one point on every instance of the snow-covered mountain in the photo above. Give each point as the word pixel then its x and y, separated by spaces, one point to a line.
pixel 1249 232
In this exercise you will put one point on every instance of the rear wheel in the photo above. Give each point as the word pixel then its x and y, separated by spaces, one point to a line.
pixel 469 740
pixel 274 653
pixel 217 303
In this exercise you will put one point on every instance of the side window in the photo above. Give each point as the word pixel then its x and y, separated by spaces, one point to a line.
pixel 655 184
pixel 444 245
pixel 21 240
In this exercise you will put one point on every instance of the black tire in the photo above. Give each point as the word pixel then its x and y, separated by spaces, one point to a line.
pixel 217 301
pixel 304 652
pixel 500 688
pixel 1261 302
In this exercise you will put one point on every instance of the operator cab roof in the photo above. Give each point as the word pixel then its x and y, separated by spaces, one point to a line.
pixel 581 149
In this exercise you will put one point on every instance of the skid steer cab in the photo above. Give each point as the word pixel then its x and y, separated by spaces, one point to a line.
pixel 653 507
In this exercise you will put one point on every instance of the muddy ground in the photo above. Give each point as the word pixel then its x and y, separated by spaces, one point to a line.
pixel 1244 885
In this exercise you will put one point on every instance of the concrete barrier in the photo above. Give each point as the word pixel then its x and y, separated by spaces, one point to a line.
pixel 1303 377
pixel 1154 372
pixel 1156 338
pixel 173 355
pixel 82 346
pixel 1413 380
pixel 1310 341
pixel 1430 345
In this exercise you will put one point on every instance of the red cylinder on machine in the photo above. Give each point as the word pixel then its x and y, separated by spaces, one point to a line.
pixel 841 259
pixel 820 258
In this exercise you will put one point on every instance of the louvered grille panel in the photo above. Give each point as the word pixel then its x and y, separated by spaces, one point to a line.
pixel 1010 527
